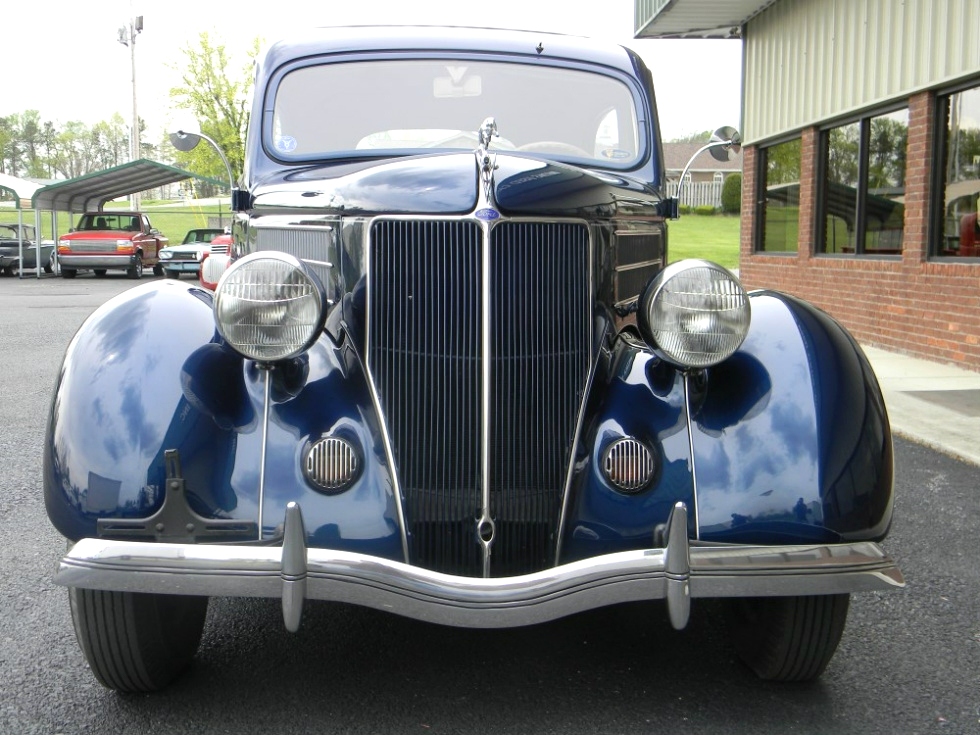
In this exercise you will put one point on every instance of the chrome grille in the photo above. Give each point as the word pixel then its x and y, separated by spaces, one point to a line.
pixel 312 245
pixel 425 355
pixel 93 246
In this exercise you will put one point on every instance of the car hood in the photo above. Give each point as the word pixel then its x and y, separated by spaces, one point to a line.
pixel 101 235
pixel 448 184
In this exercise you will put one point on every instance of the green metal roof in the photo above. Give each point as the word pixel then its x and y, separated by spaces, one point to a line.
pixel 90 192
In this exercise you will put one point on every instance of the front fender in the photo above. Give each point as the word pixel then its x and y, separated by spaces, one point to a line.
pixel 117 397
pixel 147 372
pixel 791 438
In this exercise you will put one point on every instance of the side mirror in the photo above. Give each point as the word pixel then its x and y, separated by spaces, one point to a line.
pixel 185 142
pixel 722 143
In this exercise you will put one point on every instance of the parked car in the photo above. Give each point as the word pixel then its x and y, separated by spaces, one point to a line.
pixel 20 240
pixel 188 256
pixel 104 241
pixel 449 374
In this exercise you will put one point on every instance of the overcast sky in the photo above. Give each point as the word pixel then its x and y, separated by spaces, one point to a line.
pixel 62 57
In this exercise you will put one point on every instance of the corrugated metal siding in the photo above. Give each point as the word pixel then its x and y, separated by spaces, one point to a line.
pixel 807 61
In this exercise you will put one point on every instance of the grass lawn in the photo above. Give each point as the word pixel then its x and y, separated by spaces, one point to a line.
pixel 711 237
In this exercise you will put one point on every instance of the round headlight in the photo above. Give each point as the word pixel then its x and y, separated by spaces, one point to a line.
pixel 269 306
pixel 694 314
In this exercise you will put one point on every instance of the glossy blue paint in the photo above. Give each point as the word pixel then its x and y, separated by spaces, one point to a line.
pixel 790 435
pixel 641 398
pixel 132 386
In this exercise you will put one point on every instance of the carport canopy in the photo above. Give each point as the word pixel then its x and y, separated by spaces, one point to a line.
pixel 21 189
pixel 90 192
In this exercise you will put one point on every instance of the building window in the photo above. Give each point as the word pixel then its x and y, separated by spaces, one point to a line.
pixel 777 228
pixel 863 186
pixel 958 175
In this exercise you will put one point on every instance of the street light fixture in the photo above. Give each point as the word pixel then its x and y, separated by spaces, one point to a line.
pixel 127 37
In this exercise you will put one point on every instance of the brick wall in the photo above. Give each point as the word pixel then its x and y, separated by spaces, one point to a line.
pixel 926 308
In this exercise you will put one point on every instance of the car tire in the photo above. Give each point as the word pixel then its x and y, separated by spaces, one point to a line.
pixel 135 271
pixel 787 638
pixel 49 266
pixel 158 270
pixel 68 272
pixel 171 274
pixel 137 642
pixel 100 272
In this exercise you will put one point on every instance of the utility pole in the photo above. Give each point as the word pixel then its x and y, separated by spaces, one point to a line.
pixel 127 37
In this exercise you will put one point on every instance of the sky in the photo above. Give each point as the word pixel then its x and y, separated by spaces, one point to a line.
pixel 69 65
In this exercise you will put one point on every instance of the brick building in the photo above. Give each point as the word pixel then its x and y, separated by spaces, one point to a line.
pixel 861 164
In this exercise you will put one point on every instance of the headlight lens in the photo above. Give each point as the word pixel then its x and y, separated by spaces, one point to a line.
pixel 694 314
pixel 269 306
pixel 166 255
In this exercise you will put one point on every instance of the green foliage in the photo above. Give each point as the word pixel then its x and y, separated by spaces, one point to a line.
pixel 705 210
pixel 30 147
pixel 731 194
pixel 219 99
pixel 712 238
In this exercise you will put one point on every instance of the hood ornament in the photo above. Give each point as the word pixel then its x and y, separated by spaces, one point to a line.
pixel 487 160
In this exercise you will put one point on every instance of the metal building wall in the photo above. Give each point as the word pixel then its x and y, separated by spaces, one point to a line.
pixel 808 61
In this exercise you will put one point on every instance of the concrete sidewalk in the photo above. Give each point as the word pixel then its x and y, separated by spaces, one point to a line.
pixel 933 404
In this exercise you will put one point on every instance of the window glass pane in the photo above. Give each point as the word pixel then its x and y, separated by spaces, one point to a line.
pixel 781 209
pixel 841 187
pixel 960 232
pixel 884 204
pixel 439 104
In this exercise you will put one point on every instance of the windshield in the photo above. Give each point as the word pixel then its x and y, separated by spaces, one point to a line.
pixel 11 232
pixel 366 107
pixel 102 221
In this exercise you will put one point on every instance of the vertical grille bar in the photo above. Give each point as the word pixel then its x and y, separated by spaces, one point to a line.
pixel 425 292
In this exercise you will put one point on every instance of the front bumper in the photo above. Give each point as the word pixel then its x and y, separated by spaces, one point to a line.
pixel 181 266
pixel 294 572
pixel 96 260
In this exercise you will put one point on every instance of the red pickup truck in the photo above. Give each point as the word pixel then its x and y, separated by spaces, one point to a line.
pixel 111 240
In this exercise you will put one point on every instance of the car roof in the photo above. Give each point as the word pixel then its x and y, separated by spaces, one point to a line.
pixel 534 44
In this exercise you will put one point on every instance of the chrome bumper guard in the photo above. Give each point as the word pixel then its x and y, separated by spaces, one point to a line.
pixel 295 573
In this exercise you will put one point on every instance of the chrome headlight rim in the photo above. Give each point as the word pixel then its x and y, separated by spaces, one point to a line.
pixel 293 267
pixel 655 318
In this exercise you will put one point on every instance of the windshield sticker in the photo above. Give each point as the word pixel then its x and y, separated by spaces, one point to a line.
pixel 616 153
pixel 285 143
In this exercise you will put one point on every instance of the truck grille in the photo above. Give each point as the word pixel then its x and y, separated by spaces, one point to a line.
pixel 426 358
pixel 93 246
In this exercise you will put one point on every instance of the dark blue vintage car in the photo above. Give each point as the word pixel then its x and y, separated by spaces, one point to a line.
pixel 448 374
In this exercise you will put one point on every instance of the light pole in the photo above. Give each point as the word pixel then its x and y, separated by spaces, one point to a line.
pixel 127 37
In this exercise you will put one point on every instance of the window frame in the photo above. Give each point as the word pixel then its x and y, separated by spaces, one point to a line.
pixel 861 194
pixel 761 200
pixel 938 183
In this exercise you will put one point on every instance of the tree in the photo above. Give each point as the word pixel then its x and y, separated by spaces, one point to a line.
pixel 731 194
pixel 219 100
